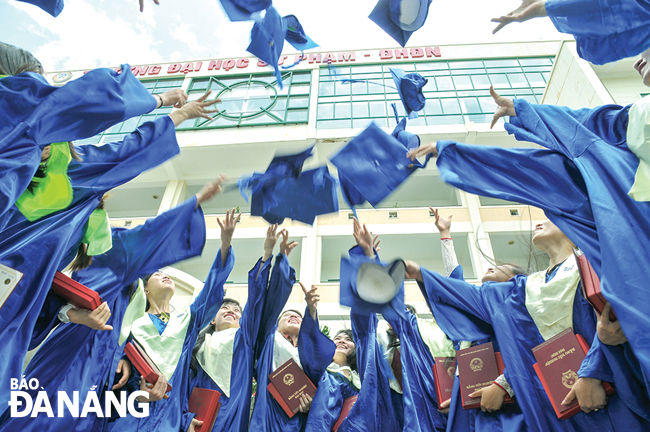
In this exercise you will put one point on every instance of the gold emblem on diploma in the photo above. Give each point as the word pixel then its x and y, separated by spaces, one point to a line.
pixel 476 364
pixel 451 370
pixel 569 378
pixel 288 379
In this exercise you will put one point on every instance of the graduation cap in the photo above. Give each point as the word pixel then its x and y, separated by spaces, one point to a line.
pixel 285 191
pixel 296 34
pixel 244 10
pixel 372 286
pixel 409 86
pixel 267 40
pixel 372 165
pixel 53 7
pixel 400 18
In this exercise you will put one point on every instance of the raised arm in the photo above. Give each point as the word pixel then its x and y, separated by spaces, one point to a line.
pixel 315 349
pixel 449 258
pixel 208 302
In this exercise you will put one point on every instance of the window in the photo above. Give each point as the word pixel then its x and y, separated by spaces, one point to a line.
pixel 456 91
pixel 251 100
pixel 119 131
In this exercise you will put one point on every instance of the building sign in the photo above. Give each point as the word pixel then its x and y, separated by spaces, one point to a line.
pixel 309 58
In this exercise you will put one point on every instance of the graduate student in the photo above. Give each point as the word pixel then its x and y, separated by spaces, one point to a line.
pixel 493 414
pixel 77 358
pixel 605 31
pixel 523 313
pixel 224 355
pixel 40 247
pixel 169 336
pixel 35 114
pixel 311 350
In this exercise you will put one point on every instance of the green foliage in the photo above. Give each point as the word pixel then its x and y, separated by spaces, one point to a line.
pixel 326 331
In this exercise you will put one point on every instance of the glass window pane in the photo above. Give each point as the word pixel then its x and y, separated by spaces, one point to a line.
pixel 450 106
pixel 199 85
pixel 366 69
pixel 444 83
pixel 231 106
pixel 546 75
pixel 462 82
pixel 528 98
pixel 504 70
pixel 326 89
pixel 299 89
pixel 432 66
pixel 239 92
pixel 430 85
pixel 342 110
pixel 256 104
pixel 487 104
pixel 377 109
pixel 501 63
pixel 480 118
pixel 359 88
pixel 325 111
pixel 499 81
pixel 535 79
pixel 360 109
pixel 334 124
pixel 466 64
pixel 297 115
pixel 149 84
pixel 342 89
pixel 298 102
pixel 445 120
pixel 469 105
pixel 420 121
pixel 170 83
pixel 433 107
pixel 301 78
pixel 535 61
pixel 518 80
pixel 481 81
pixel 363 123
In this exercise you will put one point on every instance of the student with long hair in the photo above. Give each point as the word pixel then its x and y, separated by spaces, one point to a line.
pixel 78 358
pixel 168 337
pixel 523 313
pixel 223 358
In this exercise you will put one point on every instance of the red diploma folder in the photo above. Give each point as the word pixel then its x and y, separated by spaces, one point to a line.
pixel 444 370
pixel 287 383
pixel 558 361
pixel 79 295
pixel 143 363
pixel 205 404
pixel 345 410
pixel 478 367
pixel 591 284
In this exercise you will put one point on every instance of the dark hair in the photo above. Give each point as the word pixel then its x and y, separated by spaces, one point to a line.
pixel 14 61
pixel 200 340
pixel 411 309
pixel 145 280
pixel 515 269
pixel 83 260
pixel 288 310
pixel 352 357
pixel 42 167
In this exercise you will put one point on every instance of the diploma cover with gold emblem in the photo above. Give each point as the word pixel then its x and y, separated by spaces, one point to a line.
pixel 558 361
pixel 478 367
pixel 444 370
pixel 287 383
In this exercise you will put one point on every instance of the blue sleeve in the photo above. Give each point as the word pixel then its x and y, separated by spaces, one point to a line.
pixel 207 303
pixel 110 165
pixel 605 30
pixel 315 349
pixel 283 277
pixel 170 237
pixel 458 307
pixel 326 406
pixel 595 364
pixel 364 327
pixel 47 319
pixel 53 7
pixel 568 131
pixel 251 317
pixel 186 419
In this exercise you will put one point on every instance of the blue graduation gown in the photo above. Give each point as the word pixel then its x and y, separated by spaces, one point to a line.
pixel 172 414
pixel 502 305
pixel 234 414
pixel 419 392
pixel 373 410
pixel 39 248
pixel 53 7
pixel 582 185
pixel 605 30
pixel 333 390
pixel 34 114
pixel 77 358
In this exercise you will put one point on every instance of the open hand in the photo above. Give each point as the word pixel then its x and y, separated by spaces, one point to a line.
pixel 285 246
pixel 505 107
pixel 175 97
pixel 228 228
pixel 364 239
pixel 195 109
pixel 312 298
pixel 422 151
pixel 529 9
pixel 443 225
pixel 123 367
pixel 269 242
pixel 95 319
pixel 210 189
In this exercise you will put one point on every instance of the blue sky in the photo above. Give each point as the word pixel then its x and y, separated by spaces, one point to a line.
pixel 95 33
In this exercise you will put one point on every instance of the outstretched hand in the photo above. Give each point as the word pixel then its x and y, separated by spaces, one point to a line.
pixel 505 107
pixel 422 151
pixel 413 270
pixel 529 9
pixel 210 189
pixel 311 298
pixel 195 109
pixel 95 319
pixel 364 239
pixel 269 242
pixel 142 4
pixel 443 225
pixel 285 246
pixel 174 97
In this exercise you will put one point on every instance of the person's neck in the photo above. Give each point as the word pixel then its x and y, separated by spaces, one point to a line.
pixel 340 359
pixel 158 306
pixel 558 253
pixel 226 326
pixel 291 337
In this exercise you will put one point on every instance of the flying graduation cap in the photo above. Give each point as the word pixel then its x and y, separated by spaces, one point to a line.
pixel 409 86
pixel 267 40
pixel 53 7
pixel 286 191
pixel 244 10
pixel 372 165
pixel 296 34
pixel 372 286
pixel 400 18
